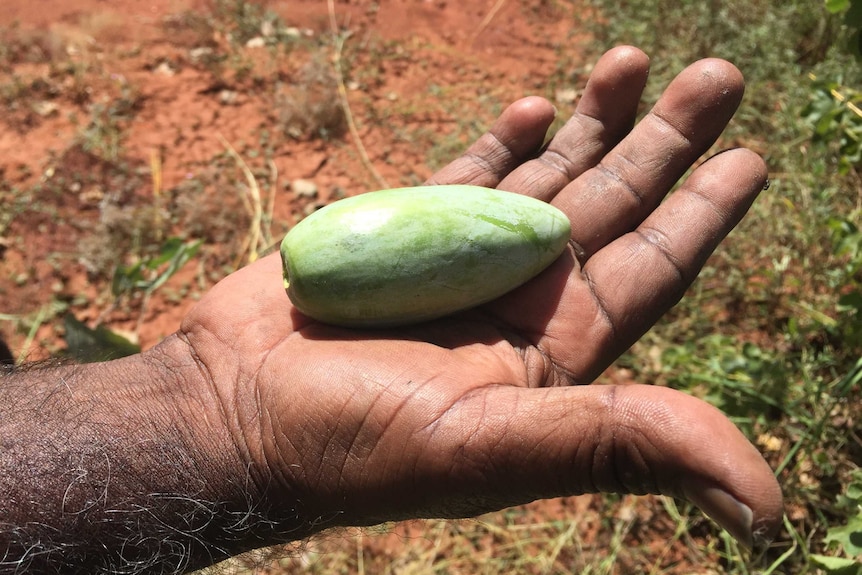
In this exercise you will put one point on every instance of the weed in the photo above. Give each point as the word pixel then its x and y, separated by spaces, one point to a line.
pixel 241 21
pixel 30 324
pixel 226 41
pixel 836 118
pixel 87 345
pixel 149 273
pixel 845 538
pixel 103 134
pixel 851 10
pixel 191 29
pixel 309 107
pixel 214 222
pixel 14 202
pixel 25 46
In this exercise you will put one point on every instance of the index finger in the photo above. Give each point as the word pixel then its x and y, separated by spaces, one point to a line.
pixel 516 136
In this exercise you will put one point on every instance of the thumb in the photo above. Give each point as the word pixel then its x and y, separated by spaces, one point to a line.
pixel 624 439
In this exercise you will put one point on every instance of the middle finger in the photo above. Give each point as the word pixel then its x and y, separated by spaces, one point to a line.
pixel 616 195
pixel 605 114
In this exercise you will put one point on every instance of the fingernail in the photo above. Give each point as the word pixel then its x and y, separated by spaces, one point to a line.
pixel 730 513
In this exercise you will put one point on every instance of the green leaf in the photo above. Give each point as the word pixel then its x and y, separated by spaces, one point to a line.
pixel 837 565
pixel 89 345
pixel 849 536
pixel 836 6
pixel 127 278
pixel 178 256
pixel 145 275
pixel 852 300
pixel 172 246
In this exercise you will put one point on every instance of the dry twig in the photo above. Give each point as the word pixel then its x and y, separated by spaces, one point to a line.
pixel 338 40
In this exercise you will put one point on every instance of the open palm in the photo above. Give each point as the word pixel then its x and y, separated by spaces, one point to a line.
pixel 478 411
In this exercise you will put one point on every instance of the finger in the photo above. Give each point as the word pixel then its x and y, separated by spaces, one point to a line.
pixel 643 274
pixel 604 115
pixel 615 196
pixel 527 444
pixel 584 318
pixel 517 134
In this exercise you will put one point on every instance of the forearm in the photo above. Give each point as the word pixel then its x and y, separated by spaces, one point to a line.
pixel 100 470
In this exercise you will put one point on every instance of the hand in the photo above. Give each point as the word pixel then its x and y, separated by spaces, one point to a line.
pixel 478 411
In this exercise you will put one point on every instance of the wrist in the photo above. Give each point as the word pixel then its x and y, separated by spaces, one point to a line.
pixel 124 465
pixel 226 483
pixel 223 440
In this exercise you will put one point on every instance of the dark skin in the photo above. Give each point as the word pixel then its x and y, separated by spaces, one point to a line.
pixel 256 408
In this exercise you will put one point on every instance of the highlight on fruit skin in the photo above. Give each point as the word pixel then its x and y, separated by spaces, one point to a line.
pixel 407 255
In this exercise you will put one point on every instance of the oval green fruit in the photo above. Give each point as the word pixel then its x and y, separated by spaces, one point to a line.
pixel 407 255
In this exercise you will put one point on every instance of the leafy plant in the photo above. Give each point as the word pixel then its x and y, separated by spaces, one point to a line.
pixel 149 273
pixel 847 246
pixel 836 119
pixel 852 11
pixel 847 537
pixel 244 20
pixel 103 135
pixel 87 345
pixel 746 381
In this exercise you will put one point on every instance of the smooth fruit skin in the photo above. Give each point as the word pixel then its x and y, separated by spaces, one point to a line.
pixel 407 255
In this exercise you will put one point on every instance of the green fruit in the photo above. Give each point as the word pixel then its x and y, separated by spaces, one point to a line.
pixel 407 255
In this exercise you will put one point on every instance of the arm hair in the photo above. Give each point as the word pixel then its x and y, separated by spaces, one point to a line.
pixel 97 477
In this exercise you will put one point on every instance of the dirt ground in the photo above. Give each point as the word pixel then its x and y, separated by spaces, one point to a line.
pixel 117 121
pixel 134 62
